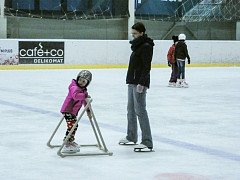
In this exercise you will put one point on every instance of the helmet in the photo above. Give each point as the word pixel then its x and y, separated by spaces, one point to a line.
pixel 85 74
pixel 181 37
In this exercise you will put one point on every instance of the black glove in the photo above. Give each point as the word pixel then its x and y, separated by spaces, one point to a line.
pixel 188 61
pixel 169 64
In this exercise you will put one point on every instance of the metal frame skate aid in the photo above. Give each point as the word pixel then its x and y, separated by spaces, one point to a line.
pixel 100 142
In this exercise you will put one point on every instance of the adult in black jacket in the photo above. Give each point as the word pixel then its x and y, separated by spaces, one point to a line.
pixel 138 80
pixel 140 61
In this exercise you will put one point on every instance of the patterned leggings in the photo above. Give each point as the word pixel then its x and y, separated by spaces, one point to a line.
pixel 70 119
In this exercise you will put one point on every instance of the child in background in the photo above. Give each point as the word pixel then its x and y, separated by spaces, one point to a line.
pixel 77 93
pixel 181 53
pixel 172 62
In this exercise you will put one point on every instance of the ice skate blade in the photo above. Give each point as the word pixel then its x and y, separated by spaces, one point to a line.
pixel 178 87
pixel 127 144
pixel 70 152
pixel 173 86
pixel 143 150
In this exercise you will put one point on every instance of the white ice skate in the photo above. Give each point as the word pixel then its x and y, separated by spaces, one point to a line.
pixel 143 148
pixel 124 141
pixel 178 83
pixel 71 147
pixel 184 84
pixel 171 84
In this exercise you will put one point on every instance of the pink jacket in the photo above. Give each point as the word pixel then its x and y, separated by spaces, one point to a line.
pixel 75 99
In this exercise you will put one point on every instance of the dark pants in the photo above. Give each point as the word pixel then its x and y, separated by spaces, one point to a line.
pixel 174 73
pixel 181 69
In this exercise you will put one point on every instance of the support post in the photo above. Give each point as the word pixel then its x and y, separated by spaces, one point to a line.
pixel 131 19
pixel 238 30
pixel 3 21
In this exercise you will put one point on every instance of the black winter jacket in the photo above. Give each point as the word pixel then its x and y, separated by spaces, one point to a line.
pixel 140 61
pixel 181 51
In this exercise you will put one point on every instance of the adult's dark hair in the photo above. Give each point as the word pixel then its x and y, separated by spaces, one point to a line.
pixel 139 27
pixel 175 38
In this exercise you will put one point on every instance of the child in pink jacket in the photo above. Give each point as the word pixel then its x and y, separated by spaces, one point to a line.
pixel 77 93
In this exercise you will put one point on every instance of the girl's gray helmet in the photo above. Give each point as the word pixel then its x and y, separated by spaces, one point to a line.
pixel 85 74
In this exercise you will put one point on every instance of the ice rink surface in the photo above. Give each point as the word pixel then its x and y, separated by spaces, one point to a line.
pixel 196 131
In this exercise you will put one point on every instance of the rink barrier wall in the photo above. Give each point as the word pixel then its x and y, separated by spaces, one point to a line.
pixel 102 66
pixel 73 54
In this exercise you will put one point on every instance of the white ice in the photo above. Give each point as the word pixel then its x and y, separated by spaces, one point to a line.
pixel 196 131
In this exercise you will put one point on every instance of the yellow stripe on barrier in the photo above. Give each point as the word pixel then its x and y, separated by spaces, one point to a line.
pixel 62 66
pixel 202 65
pixel 101 66
pixel 215 65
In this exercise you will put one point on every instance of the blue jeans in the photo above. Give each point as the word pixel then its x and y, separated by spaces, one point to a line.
pixel 181 69
pixel 136 108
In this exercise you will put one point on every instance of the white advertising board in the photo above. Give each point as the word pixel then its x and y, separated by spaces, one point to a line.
pixel 84 52
pixel 9 52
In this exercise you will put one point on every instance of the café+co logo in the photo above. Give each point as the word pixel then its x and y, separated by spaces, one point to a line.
pixel 36 52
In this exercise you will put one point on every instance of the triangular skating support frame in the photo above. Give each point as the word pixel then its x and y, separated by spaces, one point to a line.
pixel 100 142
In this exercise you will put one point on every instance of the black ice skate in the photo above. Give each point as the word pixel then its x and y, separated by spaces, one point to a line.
pixel 124 141
pixel 143 148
